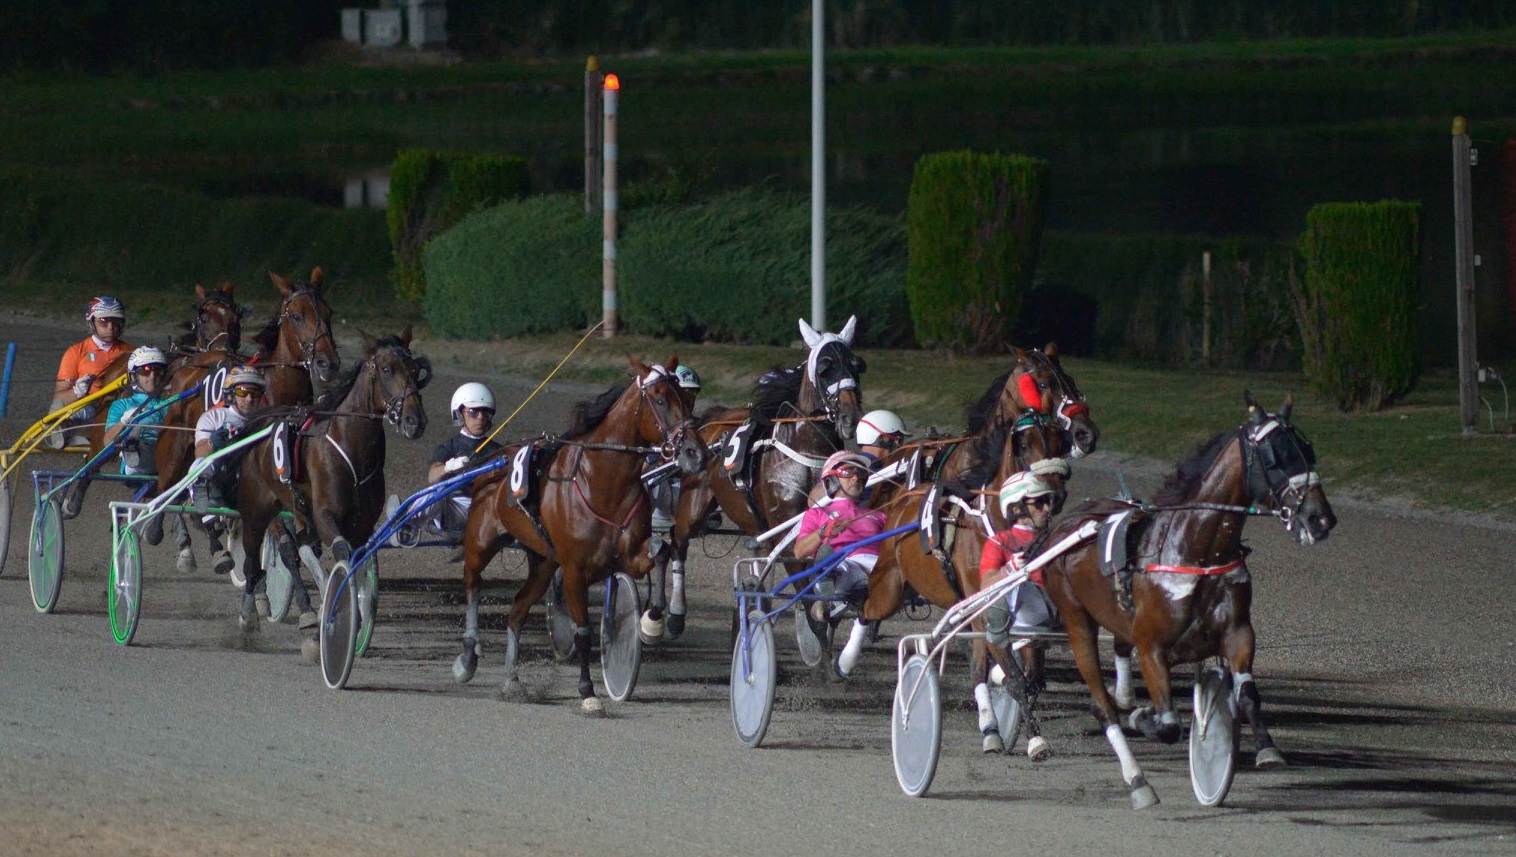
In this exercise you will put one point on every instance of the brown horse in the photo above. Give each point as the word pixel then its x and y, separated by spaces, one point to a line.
pixel 798 417
pixel 216 325
pixel 585 509
pixel 336 486
pixel 302 326
pixel 1192 597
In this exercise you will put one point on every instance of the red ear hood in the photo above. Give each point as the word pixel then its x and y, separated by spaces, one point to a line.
pixel 1029 392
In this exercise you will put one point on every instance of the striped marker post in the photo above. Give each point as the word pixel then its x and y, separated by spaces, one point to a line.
pixel 608 254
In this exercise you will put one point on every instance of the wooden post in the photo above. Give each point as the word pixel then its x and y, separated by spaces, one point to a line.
pixel 1463 242
pixel 592 139
pixel 612 91
pixel 1205 308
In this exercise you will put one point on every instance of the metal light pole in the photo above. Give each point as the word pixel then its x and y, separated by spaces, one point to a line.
pixel 1463 246
pixel 593 81
pixel 608 233
pixel 818 166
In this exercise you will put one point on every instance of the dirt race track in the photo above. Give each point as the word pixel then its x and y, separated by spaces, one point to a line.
pixel 1386 659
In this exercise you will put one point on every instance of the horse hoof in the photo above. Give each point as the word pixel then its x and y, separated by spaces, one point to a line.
pixel 310 651
pixel 262 601
pixel 464 668
pixel 591 706
pixel 1038 750
pixel 992 743
pixel 308 620
pixel 1143 796
pixel 1270 758
pixel 512 690
pixel 650 630
pixel 186 561
pixel 152 531
pixel 673 626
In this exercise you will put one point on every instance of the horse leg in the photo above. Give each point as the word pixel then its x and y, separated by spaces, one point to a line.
pixel 1124 693
pixel 676 606
pixel 1157 721
pixel 1034 682
pixel 576 601
pixel 253 528
pixel 181 524
pixel 886 589
pixel 1081 630
pixel 652 625
pixel 1237 649
pixel 539 578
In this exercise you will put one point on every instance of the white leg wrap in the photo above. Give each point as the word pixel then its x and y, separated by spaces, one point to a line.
pixel 997 675
pixel 1124 676
pixel 1238 680
pixel 1129 769
pixel 854 648
pixel 676 598
pixel 987 721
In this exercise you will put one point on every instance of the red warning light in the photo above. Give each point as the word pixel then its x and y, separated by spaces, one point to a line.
pixel 612 82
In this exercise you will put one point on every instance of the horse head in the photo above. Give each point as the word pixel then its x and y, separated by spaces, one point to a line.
pixel 1281 469
pixel 396 380
pixel 1038 445
pixel 217 325
pixel 832 371
pixel 1068 405
pixel 667 420
pixel 305 327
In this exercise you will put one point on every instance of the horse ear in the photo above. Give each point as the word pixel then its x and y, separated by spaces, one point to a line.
pixel 318 277
pixel 369 342
pixel 281 284
pixel 226 288
pixel 1289 405
pixel 405 336
pixel 809 334
pixel 199 291
pixel 1020 355
pixel 673 363
pixel 638 367
pixel 849 329
pixel 1051 350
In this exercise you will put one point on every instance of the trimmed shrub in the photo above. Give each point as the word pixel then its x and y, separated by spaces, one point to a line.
pixel 522 267
pixel 734 269
pixel 974 224
pixel 1356 306
pixel 431 191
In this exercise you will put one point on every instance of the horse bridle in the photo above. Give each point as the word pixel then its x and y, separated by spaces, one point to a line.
pixel 307 348
pixel 1071 402
pixel 672 436
pixel 414 382
pixel 197 327
pixel 1261 460
pixel 831 393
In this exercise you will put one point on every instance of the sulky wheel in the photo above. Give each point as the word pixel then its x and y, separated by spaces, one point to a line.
pixel 7 485
pixel 620 646
pixel 916 726
pixel 1213 737
pixel 367 581
pixel 560 628
pixel 126 587
pixel 754 672
pixel 44 555
pixel 279 580
pixel 339 628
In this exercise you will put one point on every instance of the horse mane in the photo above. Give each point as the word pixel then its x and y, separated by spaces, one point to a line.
pixel 777 392
pixel 268 338
pixel 985 451
pixel 337 392
pixel 979 413
pixel 1185 479
pixel 590 413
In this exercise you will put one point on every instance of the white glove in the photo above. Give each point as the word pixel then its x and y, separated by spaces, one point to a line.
pixel 126 415
pixel 453 465
pixel 81 386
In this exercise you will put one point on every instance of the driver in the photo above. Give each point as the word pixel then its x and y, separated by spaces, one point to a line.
pixel 147 374
pixel 83 362
pixel 215 429
pixel 473 410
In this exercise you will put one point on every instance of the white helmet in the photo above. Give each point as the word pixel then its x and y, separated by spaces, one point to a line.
pixel 470 395
pixel 1022 485
pixel 877 423
pixel 688 378
pixel 145 355
pixel 845 459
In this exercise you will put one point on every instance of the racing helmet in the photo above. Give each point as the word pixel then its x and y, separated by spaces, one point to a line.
pixel 145 355
pixel 838 460
pixel 105 306
pixel 1019 486
pixel 877 425
pixel 688 378
pixel 244 376
pixel 470 395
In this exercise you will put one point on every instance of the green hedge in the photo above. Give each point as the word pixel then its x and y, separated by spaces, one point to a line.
pixel 1357 304
pixel 734 268
pixel 974 223
pixel 431 191
pixel 130 236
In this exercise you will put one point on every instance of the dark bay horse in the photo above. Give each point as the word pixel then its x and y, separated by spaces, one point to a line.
pixel 216 325
pixel 798 417
pixel 337 484
pixel 294 347
pixel 585 510
pixel 1191 597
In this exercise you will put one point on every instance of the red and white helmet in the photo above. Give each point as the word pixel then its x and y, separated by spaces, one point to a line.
pixel 877 426
pixel 1019 486
pixel 838 460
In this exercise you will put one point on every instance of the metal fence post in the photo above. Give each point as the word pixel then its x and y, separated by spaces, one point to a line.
pixel 1463 230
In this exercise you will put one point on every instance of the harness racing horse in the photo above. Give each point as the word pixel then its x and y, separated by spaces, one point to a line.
pixel 294 347
pixel 775 449
pixel 217 324
pixel 336 486
pixel 582 506
pixel 1191 597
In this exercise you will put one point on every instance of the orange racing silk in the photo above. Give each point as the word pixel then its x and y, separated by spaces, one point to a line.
pixel 86 357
